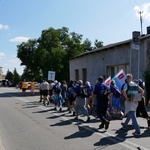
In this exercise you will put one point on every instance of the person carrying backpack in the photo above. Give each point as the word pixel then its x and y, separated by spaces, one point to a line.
pixel 101 93
pixel 70 97
pixel 80 99
pixel 57 97
pixel 129 90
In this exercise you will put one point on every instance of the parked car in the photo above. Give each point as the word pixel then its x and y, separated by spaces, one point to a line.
pixel 37 85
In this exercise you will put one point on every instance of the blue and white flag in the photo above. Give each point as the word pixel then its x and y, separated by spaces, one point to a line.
pixel 119 78
pixel 107 81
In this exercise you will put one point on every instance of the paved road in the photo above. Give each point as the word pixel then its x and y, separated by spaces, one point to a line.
pixel 27 125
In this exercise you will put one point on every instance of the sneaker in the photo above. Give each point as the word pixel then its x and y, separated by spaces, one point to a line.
pixel 74 113
pixel 135 133
pixel 55 108
pixel 101 126
pixel 60 109
pixel 76 118
pixel 48 103
pixel 88 119
pixel 123 127
pixel 107 125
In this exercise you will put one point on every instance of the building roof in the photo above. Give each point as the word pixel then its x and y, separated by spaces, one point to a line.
pixel 109 46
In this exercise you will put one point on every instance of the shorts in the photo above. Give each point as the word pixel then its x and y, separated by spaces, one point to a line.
pixel 41 92
pixel 24 89
pixel 50 92
pixel 45 93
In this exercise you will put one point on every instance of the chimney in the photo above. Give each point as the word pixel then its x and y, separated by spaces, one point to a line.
pixel 148 30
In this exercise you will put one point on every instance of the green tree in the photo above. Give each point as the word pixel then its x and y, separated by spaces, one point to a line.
pixel 98 44
pixel 26 52
pixel 16 77
pixel 9 76
pixel 87 45
pixel 51 52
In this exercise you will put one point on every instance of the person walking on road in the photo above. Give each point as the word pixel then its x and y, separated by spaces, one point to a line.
pixel 41 89
pixel 101 93
pixel 24 86
pixel 45 86
pixel 80 106
pixel 141 110
pixel 32 85
pixel 129 89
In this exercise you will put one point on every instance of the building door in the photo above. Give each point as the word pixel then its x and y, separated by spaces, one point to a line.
pixel 84 75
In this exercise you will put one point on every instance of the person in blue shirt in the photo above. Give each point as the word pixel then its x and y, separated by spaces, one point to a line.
pixel 115 92
pixel 57 97
pixel 80 106
pixel 101 93
pixel 70 97
pixel 89 89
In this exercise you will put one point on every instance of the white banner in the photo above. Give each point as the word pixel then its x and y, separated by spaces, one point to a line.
pixel 51 75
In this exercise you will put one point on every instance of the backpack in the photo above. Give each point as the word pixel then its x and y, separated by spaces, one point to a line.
pixel 134 97
pixel 83 92
pixel 105 91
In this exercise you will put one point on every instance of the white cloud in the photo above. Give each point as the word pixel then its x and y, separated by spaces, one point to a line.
pixel 19 39
pixel 145 9
pixel 3 26
pixel 1 55
pixel 11 63
pixel 14 61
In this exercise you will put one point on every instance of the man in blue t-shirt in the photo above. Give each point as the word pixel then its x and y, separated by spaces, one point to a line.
pixel 101 92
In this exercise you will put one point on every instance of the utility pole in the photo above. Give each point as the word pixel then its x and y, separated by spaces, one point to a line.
pixel 141 21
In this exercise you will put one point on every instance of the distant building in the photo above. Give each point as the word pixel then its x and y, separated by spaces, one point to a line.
pixel 108 60
pixel 1 73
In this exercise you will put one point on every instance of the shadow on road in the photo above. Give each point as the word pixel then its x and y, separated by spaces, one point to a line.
pixel 82 133
pixel 17 94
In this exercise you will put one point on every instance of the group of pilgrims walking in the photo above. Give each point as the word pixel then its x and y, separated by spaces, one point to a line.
pixel 81 98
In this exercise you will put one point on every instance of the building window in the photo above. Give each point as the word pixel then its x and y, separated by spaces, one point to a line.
pixel 84 75
pixel 77 74
pixel 113 70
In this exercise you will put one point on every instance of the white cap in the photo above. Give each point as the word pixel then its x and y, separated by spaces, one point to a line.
pixel 80 82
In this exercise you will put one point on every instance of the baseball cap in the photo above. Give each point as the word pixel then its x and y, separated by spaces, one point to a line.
pixel 100 79
pixel 80 82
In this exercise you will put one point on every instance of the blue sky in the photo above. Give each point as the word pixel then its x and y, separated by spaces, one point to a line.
pixel 109 21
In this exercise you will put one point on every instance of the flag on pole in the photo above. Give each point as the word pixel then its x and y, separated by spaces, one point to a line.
pixel 107 81
pixel 119 78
